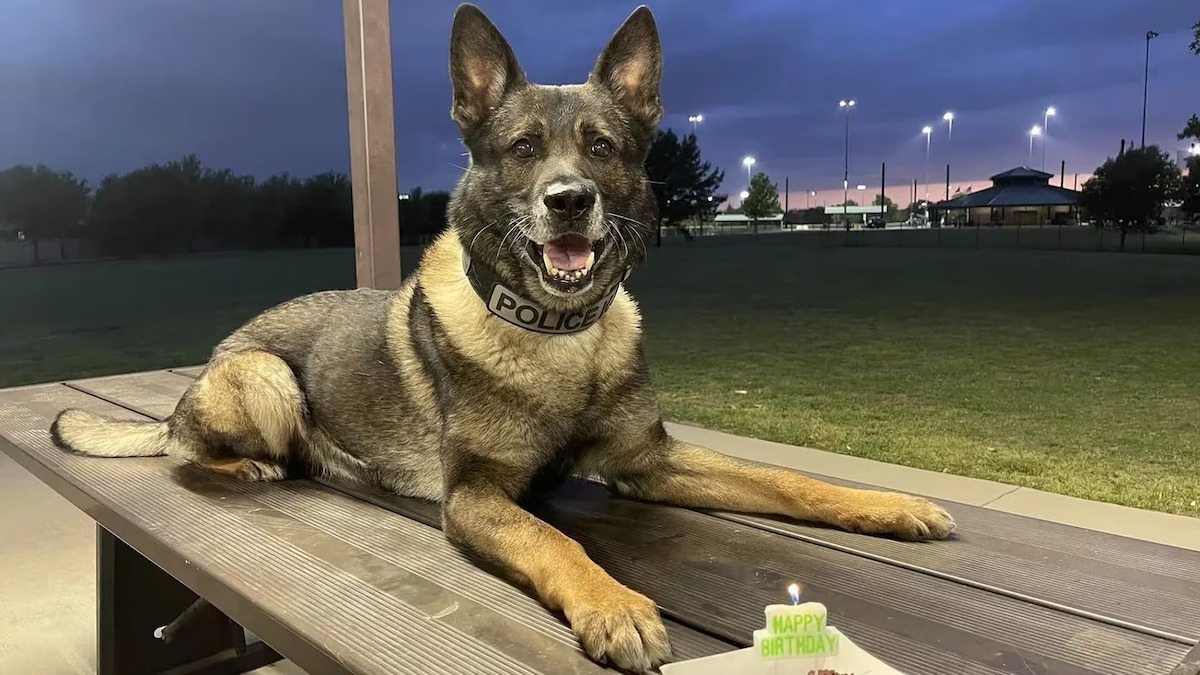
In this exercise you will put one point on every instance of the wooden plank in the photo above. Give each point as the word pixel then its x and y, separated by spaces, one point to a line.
pixel 192 371
pixel 1190 665
pixel 367 25
pixel 153 394
pixel 1148 585
pixel 285 561
pixel 720 575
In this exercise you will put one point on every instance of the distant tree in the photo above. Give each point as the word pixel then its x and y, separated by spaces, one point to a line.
pixel 1191 129
pixel 1129 191
pixel 321 213
pixel 849 202
pixel 684 185
pixel 269 211
pixel 1195 46
pixel 228 210
pixel 763 199
pixel 422 215
pixel 886 202
pixel 159 208
pixel 42 203
pixel 1189 190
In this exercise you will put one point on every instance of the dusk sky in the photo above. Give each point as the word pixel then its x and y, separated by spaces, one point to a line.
pixel 259 85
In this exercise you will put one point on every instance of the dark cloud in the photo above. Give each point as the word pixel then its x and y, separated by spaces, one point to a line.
pixel 260 84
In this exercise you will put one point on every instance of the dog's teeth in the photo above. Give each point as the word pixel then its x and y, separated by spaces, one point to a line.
pixel 590 261
pixel 548 263
pixel 583 272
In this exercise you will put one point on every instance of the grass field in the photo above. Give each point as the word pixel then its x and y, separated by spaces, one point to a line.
pixel 1077 373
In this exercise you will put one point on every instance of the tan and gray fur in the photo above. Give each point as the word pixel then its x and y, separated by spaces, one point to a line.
pixel 424 392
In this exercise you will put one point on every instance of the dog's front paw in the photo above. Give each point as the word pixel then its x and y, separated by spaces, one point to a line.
pixel 620 627
pixel 900 515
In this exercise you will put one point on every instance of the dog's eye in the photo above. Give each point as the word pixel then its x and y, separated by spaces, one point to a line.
pixel 601 147
pixel 522 149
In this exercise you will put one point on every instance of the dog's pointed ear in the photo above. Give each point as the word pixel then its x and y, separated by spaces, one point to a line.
pixel 483 68
pixel 631 67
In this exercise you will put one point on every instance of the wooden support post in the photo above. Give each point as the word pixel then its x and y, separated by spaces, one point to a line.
pixel 372 143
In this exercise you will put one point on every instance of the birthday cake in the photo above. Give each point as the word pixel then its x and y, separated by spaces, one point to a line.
pixel 797 640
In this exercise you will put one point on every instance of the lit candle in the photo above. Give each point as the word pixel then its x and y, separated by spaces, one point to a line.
pixel 797 630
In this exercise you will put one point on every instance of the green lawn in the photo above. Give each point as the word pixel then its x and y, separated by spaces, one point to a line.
pixel 1077 373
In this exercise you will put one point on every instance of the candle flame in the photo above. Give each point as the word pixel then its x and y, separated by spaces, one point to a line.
pixel 794 591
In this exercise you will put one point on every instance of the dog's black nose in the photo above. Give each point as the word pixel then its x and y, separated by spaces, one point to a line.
pixel 571 203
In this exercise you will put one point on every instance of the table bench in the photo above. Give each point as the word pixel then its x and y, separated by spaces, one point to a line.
pixel 339 580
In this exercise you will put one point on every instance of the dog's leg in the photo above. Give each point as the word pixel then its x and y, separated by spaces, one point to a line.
pixel 656 467
pixel 243 416
pixel 614 624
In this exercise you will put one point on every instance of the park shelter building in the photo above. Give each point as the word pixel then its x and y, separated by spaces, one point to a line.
pixel 739 220
pixel 1020 196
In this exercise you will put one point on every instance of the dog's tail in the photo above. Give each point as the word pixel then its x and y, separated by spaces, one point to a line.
pixel 86 433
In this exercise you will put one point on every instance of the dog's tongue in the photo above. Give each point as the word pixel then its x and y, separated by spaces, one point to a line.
pixel 569 252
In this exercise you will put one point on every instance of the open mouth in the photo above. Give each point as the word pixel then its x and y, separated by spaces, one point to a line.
pixel 567 262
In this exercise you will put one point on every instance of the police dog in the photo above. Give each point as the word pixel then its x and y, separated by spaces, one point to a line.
pixel 511 359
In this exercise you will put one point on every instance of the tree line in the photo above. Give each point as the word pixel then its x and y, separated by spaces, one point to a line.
pixel 184 206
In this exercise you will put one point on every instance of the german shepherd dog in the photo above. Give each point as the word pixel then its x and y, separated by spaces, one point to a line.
pixel 511 359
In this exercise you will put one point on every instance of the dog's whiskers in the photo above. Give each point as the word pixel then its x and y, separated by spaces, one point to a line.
pixel 517 224
pixel 612 228
pixel 629 223
pixel 628 219
pixel 471 246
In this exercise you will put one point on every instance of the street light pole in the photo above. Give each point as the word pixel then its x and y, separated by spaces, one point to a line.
pixel 928 131
pixel 749 162
pixel 949 117
pixel 1150 35
pixel 1033 133
pixel 846 106
pixel 695 120
pixel 1050 112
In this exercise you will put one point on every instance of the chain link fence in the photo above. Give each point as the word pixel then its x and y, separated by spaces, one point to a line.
pixel 1177 238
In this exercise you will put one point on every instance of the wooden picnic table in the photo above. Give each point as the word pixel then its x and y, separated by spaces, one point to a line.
pixel 341 580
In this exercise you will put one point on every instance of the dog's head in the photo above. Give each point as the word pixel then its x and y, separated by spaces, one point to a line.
pixel 556 199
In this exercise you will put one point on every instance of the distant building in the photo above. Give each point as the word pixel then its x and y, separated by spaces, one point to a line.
pixel 855 214
pixel 736 219
pixel 1020 196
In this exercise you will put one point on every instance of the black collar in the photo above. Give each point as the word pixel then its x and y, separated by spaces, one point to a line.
pixel 524 313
